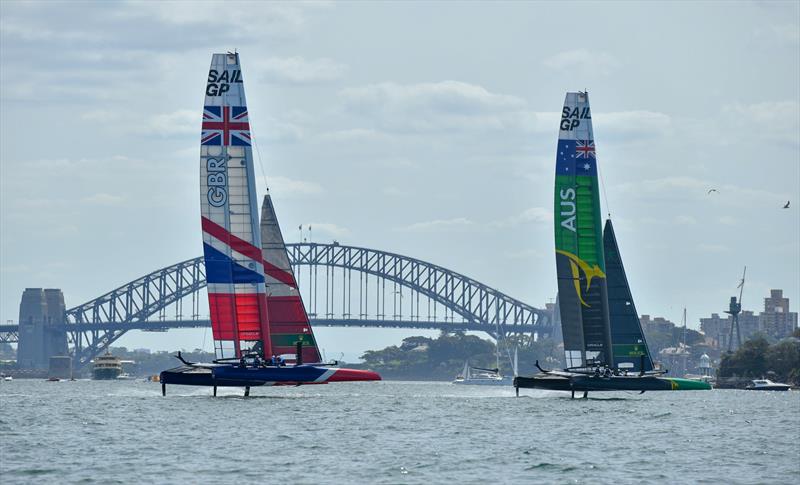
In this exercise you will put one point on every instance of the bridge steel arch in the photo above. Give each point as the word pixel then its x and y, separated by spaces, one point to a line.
pixel 475 302
pixel 94 325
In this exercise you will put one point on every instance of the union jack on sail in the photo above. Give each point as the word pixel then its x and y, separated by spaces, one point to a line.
pixel 584 149
pixel 226 125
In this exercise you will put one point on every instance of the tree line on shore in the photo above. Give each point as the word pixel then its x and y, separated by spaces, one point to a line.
pixel 757 359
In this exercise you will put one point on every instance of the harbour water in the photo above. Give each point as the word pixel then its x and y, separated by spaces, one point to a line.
pixel 391 432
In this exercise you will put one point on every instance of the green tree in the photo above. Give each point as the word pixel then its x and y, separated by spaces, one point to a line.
pixel 783 358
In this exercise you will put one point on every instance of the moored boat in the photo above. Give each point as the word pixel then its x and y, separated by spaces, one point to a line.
pixel 478 376
pixel 767 385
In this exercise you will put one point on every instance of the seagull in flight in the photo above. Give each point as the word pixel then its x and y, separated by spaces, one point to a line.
pixel 712 190
pixel 787 205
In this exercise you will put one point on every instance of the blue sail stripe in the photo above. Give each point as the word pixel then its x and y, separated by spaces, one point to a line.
pixel 222 269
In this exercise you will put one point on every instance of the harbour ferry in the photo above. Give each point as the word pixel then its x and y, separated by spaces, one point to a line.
pixel 106 367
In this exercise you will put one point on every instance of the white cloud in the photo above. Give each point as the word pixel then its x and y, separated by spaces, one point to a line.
pixel 713 248
pixel 525 254
pixel 248 18
pixel 684 220
pixel 438 225
pixel 103 199
pixel 446 105
pixel 766 112
pixel 179 122
pixel 532 214
pixel 285 186
pixel 582 60
pixel 101 115
pixel 276 130
pixel 352 135
pixel 299 70
pixel 770 120
pixel 394 192
pixel 632 123
pixel 328 228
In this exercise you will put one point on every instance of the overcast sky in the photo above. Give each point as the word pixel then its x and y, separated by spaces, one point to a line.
pixel 427 129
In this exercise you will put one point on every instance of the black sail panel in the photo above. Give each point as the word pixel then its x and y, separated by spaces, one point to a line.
pixel 628 341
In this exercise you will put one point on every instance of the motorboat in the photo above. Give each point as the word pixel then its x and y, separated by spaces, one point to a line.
pixel 767 385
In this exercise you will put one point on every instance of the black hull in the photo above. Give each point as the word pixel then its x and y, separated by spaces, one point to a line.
pixel 585 383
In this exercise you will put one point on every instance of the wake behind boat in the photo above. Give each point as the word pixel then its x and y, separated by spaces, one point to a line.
pixel 260 327
pixel 604 345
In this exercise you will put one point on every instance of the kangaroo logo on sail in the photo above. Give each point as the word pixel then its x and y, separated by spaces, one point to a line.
pixel 571 117
pixel 217 179
pixel 578 265
pixel 220 83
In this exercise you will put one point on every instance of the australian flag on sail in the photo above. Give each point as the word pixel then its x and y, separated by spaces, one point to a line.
pixel 226 125
pixel 576 157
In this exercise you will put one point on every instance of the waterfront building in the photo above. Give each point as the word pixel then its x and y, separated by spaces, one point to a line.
pixel 656 324
pixel 716 329
pixel 776 320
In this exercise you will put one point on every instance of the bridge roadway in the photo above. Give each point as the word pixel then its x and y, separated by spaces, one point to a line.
pixel 141 304
pixel 10 333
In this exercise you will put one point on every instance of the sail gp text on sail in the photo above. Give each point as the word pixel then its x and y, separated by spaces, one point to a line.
pixel 219 83
pixel 571 117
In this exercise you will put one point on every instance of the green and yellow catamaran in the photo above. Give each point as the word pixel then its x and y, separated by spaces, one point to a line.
pixel 604 345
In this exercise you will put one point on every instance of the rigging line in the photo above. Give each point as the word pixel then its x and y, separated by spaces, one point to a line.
pixel 603 187
pixel 258 153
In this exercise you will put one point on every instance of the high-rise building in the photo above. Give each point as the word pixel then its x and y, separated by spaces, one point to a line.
pixel 717 329
pixel 776 320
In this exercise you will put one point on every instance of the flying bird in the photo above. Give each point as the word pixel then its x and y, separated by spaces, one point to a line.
pixel 712 190
pixel 787 205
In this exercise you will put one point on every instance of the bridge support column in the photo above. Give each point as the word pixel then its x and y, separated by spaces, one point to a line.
pixel 41 333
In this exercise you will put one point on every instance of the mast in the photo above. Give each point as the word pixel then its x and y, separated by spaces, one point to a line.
pixel 229 212
pixel 580 262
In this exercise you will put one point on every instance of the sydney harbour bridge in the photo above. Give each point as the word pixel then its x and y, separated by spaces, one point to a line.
pixel 342 286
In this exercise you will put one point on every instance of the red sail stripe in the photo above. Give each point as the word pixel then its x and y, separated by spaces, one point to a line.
pixel 285 277
pixel 244 247
pixel 239 316
pixel 236 243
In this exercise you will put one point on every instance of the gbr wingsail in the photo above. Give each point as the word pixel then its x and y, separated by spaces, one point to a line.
pixel 229 217
pixel 287 315
pixel 580 261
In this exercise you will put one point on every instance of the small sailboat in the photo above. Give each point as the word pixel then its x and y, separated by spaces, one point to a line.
pixel 260 327
pixel 604 345
pixel 480 376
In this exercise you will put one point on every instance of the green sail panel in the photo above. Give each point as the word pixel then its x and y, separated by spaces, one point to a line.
pixel 629 344
pixel 580 262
